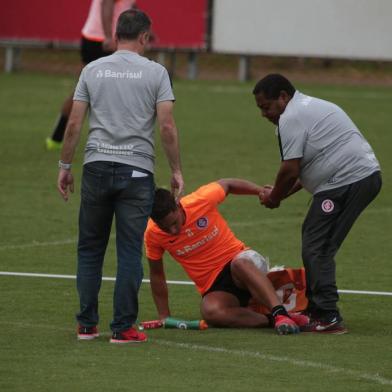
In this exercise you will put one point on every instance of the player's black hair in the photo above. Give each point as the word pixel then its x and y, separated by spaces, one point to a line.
pixel 131 23
pixel 271 86
pixel 164 204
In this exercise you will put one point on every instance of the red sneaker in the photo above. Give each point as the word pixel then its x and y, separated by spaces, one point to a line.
pixel 300 319
pixel 130 335
pixel 87 333
pixel 285 325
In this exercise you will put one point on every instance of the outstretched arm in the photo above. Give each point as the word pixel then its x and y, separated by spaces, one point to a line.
pixel 239 186
pixel 159 288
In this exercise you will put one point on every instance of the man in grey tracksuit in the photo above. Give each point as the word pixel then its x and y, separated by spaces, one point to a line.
pixel 324 152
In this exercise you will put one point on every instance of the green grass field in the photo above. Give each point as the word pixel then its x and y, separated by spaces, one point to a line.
pixel 222 135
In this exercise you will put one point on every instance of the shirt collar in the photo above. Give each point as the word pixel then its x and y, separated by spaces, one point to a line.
pixel 127 52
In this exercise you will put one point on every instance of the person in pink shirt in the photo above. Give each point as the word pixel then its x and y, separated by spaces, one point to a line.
pixel 97 41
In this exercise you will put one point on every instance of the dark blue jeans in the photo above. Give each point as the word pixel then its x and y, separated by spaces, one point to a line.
pixel 111 189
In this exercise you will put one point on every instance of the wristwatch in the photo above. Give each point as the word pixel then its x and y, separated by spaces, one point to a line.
pixel 65 166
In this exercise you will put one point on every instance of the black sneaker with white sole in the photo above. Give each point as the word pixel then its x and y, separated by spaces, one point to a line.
pixel 332 324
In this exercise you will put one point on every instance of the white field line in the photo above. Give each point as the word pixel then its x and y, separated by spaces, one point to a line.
pixel 105 278
pixel 174 282
pixel 37 244
pixel 375 378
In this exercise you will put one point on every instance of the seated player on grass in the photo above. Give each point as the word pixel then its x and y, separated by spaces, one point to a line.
pixel 225 271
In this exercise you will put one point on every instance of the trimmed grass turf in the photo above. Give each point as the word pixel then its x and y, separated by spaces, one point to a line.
pixel 222 135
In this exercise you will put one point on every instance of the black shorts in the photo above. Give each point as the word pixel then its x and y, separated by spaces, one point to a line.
pixel 91 50
pixel 224 282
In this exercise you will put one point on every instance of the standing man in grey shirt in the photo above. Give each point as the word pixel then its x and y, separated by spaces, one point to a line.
pixel 124 93
pixel 324 152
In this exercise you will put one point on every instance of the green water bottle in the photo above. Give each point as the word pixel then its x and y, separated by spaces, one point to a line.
pixel 171 322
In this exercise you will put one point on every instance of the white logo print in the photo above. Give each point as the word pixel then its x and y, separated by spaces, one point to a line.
pixel 125 149
pixel 327 205
pixel 203 241
pixel 123 75
pixel 107 73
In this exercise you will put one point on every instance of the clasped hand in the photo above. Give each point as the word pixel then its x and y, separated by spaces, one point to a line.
pixel 265 199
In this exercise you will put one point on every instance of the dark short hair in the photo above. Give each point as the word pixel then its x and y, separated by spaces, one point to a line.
pixel 164 204
pixel 131 23
pixel 271 86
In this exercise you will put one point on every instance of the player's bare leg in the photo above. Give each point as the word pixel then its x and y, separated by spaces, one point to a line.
pixel 247 276
pixel 67 106
pixel 53 142
pixel 222 309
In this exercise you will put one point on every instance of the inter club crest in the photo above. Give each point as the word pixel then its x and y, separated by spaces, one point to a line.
pixel 327 206
pixel 202 222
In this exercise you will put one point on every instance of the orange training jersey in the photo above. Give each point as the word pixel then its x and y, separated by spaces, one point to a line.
pixel 93 29
pixel 205 243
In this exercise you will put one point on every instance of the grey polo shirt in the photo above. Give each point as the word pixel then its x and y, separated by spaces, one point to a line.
pixel 333 151
pixel 123 90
